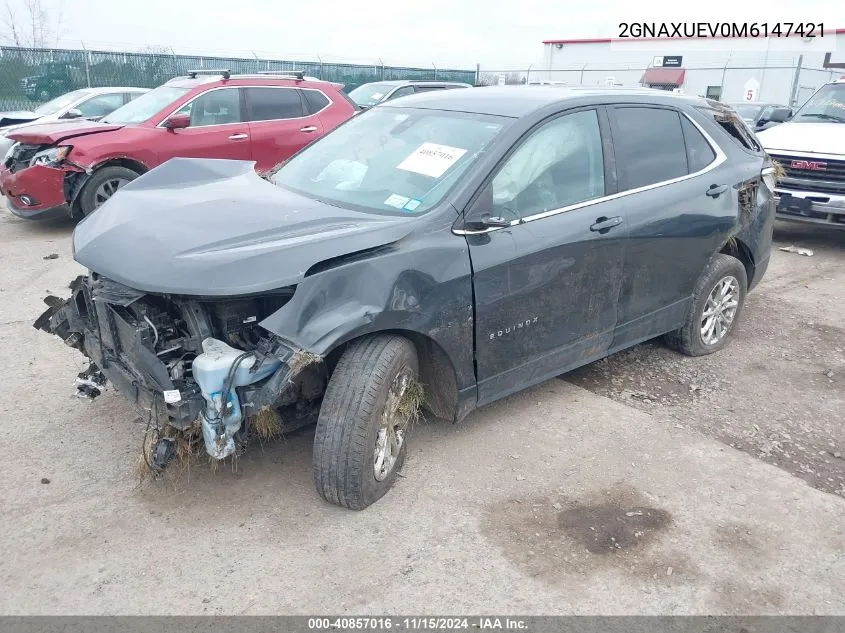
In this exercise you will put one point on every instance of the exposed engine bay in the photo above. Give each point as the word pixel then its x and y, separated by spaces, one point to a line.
pixel 176 356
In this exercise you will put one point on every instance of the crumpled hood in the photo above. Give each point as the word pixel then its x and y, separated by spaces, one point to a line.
pixel 214 227
pixel 810 137
pixel 50 133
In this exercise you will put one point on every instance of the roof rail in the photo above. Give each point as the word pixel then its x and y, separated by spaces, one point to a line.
pixel 299 74
pixel 192 74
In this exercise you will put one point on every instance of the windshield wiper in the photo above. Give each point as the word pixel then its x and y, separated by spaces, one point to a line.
pixel 826 117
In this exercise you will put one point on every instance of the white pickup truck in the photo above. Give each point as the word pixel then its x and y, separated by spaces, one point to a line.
pixel 810 146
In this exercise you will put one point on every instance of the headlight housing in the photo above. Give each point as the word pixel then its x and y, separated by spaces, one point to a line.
pixel 10 151
pixel 50 157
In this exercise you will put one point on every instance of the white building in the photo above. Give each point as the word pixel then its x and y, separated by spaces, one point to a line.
pixel 785 70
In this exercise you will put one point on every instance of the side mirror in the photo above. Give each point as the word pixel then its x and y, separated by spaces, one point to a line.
pixel 73 113
pixel 780 115
pixel 178 121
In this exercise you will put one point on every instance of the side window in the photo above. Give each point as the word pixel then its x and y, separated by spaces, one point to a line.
pixel 733 125
pixel 215 107
pixel 649 145
pixel 699 152
pixel 101 105
pixel 560 164
pixel 270 104
pixel 401 92
pixel 766 113
pixel 131 96
pixel 427 88
pixel 315 100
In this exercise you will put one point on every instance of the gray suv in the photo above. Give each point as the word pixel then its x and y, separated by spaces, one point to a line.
pixel 368 95
pixel 443 250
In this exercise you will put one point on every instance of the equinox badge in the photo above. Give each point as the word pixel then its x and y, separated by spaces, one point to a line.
pixel 513 328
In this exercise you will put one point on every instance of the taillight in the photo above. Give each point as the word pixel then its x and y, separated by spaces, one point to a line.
pixel 767 175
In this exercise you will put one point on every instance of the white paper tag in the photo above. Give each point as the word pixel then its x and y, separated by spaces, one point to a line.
pixel 396 201
pixel 376 96
pixel 412 204
pixel 172 396
pixel 431 159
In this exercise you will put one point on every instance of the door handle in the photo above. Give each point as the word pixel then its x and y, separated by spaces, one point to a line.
pixel 308 128
pixel 604 224
pixel 238 137
pixel 716 190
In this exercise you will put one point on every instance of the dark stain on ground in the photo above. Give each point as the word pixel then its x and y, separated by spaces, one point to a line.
pixel 557 537
pixel 609 527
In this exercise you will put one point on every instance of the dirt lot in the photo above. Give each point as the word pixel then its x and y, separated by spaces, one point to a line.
pixel 646 483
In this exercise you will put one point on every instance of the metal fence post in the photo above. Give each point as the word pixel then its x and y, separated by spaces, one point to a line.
pixel 477 73
pixel 435 71
pixel 581 80
pixel 87 64
pixel 795 80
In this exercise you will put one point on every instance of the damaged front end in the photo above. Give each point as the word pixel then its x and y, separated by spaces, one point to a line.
pixel 188 358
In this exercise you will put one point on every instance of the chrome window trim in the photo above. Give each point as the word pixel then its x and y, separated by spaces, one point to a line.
pixel 202 94
pixel 721 157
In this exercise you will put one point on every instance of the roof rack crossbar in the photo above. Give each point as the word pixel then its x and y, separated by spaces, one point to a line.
pixel 192 74
pixel 299 74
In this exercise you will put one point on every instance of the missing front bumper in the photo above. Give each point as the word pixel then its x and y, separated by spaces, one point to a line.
pixel 125 347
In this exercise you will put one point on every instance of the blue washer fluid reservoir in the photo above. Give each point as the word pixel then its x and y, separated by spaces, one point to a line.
pixel 219 422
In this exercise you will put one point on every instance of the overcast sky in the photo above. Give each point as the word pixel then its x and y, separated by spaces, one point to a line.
pixel 498 34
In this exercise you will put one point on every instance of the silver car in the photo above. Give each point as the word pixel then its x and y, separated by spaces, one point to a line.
pixel 86 103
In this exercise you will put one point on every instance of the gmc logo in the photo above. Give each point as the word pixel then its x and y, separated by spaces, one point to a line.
pixel 809 164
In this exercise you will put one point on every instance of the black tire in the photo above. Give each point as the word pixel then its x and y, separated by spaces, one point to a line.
pixel 87 200
pixel 351 418
pixel 688 339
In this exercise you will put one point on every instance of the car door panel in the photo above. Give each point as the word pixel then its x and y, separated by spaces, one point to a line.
pixel 546 287
pixel 546 293
pixel 212 133
pixel 674 226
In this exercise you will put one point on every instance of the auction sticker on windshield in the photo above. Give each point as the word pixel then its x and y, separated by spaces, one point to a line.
pixel 431 159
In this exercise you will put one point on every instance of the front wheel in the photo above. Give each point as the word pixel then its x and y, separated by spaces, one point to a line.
pixel 102 185
pixel 361 436
pixel 715 308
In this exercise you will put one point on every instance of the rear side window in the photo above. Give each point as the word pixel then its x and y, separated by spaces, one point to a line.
pixel 401 92
pixel 314 100
pixel 268 104
pixel 699 152
pixel 428 88
pixel 733 125
pixel 649 145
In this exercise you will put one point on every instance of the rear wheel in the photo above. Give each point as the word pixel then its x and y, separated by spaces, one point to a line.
pixel 361 436
pixel 715 308
pixel 102 185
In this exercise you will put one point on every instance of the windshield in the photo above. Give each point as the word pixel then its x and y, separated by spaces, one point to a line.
pixel 370 94
pixel 59 103
pixel 146 106
pixel 392 161
pixel 747 111
pixel 828 104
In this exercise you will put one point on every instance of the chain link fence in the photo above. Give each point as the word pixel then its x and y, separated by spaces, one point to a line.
pixel 29 76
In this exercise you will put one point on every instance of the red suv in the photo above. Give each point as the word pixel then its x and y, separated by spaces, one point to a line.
pixel 72 168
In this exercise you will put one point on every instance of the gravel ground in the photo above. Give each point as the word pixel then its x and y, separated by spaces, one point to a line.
pixel 648 483
pixel 778 391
